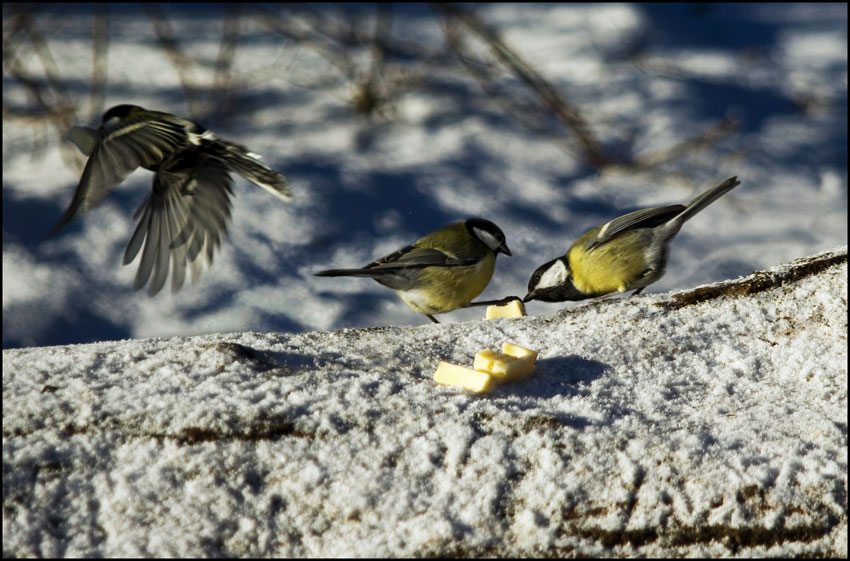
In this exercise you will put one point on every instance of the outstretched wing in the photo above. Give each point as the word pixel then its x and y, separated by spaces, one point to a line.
pixel 186 213
pixel 115 152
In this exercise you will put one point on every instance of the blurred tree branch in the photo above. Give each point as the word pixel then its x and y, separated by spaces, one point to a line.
pixel 182 63
pixel 548 95
pixel 223 79
pixel 100 47
pixel 556 101
pixel 344 42
pixel 53 104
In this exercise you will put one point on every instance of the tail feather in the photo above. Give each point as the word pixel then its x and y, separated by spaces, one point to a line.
pixel 249 166
pixel 351 273
pixel 704 199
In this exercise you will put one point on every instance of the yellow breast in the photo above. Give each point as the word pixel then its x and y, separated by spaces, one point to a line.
pixel 444 289
pixel 611 267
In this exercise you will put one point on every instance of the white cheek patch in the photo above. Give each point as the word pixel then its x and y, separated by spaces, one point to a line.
pixel 555 275
pixel 488 238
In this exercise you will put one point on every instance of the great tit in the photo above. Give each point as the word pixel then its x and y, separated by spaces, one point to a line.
pixel 189 207
pixel 441 272
pixel 627 253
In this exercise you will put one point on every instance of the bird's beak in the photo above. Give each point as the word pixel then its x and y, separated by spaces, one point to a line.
pixel 504 249
pixel 529 297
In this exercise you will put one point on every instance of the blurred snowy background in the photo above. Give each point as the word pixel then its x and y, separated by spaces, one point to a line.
pixel 390 121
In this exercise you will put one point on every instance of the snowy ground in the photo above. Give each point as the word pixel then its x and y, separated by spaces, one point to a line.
pixel 644 76
pixel 648 429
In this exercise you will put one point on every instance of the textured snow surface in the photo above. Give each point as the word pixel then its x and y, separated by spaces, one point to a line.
pixel 712 429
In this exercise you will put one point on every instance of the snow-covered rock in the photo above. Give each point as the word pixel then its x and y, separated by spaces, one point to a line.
pixel 707 423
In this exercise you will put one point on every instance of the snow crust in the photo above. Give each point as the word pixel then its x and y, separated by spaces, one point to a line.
pixel 649 428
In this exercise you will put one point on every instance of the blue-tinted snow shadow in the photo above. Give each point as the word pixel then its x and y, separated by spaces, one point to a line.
pixel 558 376
pixel 739 31
pixel 43 321
pixel 707 25
pixel 74 324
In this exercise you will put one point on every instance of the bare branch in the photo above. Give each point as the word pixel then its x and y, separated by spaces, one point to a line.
pixel 100 48
pixel 223 77
pixel 717 132
pixel 548 95
pixel 168 39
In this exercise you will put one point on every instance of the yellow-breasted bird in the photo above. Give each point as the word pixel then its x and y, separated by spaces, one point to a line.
pixel 628 253
pixel 442 271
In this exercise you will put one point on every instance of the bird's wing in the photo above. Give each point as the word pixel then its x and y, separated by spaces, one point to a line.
pixel 186 213
pixel 396 270
pixel 115 152
pixel 84 138
pixel 413 257
pixel 646 218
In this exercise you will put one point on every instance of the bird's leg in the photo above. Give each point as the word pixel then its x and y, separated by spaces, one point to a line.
pixel 432 318
pixel 636 292
pixel 608 296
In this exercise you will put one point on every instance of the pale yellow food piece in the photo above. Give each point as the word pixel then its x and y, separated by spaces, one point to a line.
pixel 454 375
pixel 513 349
pixel 513 309
pixel 503 367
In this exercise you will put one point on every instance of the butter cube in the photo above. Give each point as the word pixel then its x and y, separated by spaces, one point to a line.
pixel 454 375
pixel 504 367
pixel 513 309
pixel 513 349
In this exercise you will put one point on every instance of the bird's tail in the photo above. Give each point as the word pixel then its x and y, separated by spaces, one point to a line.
pixel 371 273
pixel 249 166
pixel 705 199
